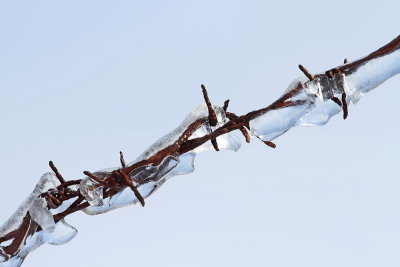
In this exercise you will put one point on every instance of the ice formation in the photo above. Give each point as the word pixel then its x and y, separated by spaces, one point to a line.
pixel 35 207
pixel 318 108
pixel 92 191
pixel 46 182
pixel 155 176
pixel 310 101
pixel 61 233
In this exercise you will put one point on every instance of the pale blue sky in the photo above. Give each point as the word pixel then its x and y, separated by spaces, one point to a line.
pixel 82 80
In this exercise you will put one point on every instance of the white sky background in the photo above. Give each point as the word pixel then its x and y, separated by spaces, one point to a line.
pixel 81 81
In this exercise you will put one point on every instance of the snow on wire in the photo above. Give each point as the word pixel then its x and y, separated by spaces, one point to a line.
pixel 308 101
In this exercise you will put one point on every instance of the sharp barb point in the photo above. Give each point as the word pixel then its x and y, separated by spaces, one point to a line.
pixel 345 108
pixel 215 144
pixel 336 100
pixel 129 183
pixel 270 144
pixel 245 134
pixel 306 72
pixel 56 172
pixel 121 159
pixel 226 104
pixel 212 117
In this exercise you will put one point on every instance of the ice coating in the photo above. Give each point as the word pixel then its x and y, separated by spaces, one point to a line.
pixel 274 123
pixel 318 107
pixel 184 166
pixel 320 113
pixel 150 177
pixel 313 102
pixel 61 234
pixel 64 205
pixel 155 176
pixel 198 112
pixel 92 191
pixel 41 215
pixel 373 73
pixel 227 141
pixel 46 182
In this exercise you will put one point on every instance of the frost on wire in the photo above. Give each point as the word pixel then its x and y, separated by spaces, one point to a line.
pixel 317 98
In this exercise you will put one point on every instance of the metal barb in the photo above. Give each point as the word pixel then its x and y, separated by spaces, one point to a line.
pixel 55 201
pixel 94 177
pixel 345 108
pixel 77 201
pixel 269 143
pixel 329 73
pixel 56 172
pixel 245 134
pixel 242 129
pixel 215 144
pixel 212 117
pixel 307 73
pixel 129 183
pixel 121 159
pixel 226 104
pixel 336 100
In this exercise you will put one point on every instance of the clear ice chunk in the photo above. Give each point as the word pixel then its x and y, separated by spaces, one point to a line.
pixel 320 113
pixel 227 141
pixel 47 181
pixel 155 176
pixel 185 165
pixel 371 74
pixel 198 112
pixel 150 177
pixel 13 262
pixel 61 234
pixel 64 205
pixel 230 141
pixel 92 191
pixel 276 122
pixel 41 215
pixel 159 171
